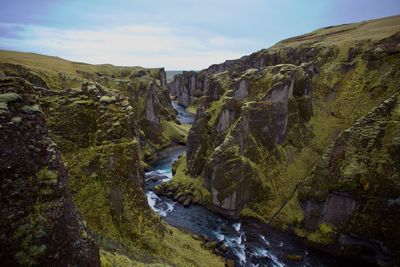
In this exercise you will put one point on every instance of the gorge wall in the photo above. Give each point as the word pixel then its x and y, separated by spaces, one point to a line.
pixel 304 135
pixel 40 225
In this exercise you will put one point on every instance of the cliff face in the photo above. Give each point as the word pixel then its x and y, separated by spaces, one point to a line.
pixel 354 187
pixel 40 225
pixel 187 86
pixel 252 132
pixel 264 121
pixel 99 136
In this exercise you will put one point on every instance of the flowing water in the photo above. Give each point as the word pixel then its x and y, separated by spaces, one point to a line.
pixel 250 243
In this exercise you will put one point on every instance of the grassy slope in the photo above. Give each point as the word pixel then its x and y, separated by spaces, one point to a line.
pixel 57 64
pixel 59 73
pixel 376 29
pixel 181 250
pixel 175 132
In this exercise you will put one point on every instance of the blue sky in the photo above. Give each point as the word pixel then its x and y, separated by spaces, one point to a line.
pixel 176 34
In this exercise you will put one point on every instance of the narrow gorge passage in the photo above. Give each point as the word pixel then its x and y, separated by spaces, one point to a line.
pixel 249 243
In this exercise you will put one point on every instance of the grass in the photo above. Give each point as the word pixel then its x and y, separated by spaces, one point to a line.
pixel 186 251
pixel 191 109
pixel 373 29
pixel 57 64
pixel 59 73
pixel 181 178
pixel 175 132
pixel 215 109
pixel 324 234
pixel 178 249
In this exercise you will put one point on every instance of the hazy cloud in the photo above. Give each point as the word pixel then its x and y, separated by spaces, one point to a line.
pixel 145 45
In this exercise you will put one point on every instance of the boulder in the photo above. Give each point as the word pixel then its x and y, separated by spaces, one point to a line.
pixel 188 201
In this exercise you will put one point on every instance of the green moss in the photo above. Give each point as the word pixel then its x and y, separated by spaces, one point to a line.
pixel 3 106
pixel 108 99
pixel 175 132
pixel 183 184
pixel 16 120
pixel 47 176
pixel 29 257
pixel 82 102
pixel 325 234
pixel 326 229
pixel 186 251
pixel 249 213
pixel 30 235
pixel 31 109
pixel 214 110
pixel 191 109
pixel 114 259
pixel 8 98
pixel 179 249
pixel 105 183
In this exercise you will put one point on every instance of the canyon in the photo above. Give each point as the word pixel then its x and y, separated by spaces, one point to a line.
pixel 300 140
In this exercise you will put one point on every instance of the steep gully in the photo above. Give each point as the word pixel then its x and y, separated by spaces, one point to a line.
pixel 250 243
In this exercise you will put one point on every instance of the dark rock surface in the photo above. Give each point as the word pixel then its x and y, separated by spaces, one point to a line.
pixel 40 225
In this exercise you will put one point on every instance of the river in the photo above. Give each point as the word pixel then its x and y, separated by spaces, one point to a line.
pixel 250 243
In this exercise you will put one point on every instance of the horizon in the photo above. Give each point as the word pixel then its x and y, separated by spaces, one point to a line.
pixel 174 34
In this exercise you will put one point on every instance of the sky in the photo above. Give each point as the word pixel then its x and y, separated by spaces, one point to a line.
pixel 175 34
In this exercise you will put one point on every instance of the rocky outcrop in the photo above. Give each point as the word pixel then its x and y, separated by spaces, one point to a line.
pixel 187 193
pixel 150 113
pixel 40 224
pixel 230 112
pixel 190 85
pixel 15 70
pixel 261 126
pixel 186 87
pixel 354 186
pixel 197 143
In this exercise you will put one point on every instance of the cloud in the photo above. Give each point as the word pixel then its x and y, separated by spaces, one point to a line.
pixel 145 45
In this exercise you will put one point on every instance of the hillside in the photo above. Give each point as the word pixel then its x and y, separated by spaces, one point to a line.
pixel 304 136
pixel 76 138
